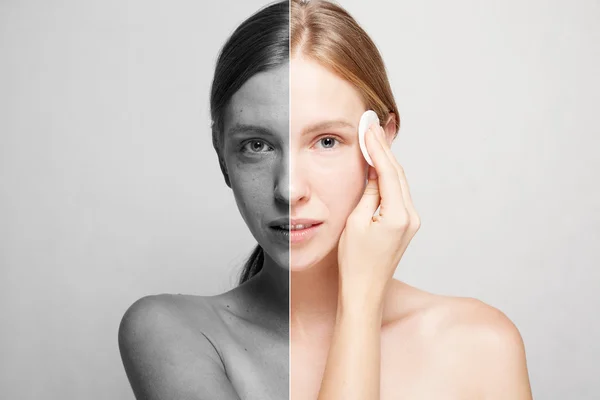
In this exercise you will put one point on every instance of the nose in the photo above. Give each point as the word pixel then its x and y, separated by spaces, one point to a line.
pixel 291 188
pixel 299 188
pixel 282 181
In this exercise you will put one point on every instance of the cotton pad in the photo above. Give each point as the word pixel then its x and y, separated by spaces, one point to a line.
pixel 368 118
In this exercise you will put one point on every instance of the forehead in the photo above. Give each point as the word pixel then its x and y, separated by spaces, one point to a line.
pixel 317 94
pixel 262 101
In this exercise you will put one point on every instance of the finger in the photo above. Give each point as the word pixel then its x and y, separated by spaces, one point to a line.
pixel 372 173
pixel 368 203
pixel 386 171
pixel 410 219
pixel 408 202
pixel 406 192
pixel 392 203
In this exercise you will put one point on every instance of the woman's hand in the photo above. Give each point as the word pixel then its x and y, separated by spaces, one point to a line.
pixel 371 246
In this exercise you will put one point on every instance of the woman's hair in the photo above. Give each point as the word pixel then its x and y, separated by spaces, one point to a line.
pixel 326 33
pixel 259 44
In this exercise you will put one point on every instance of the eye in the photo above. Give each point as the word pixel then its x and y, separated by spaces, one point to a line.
pixel 256 146
pixel 328 142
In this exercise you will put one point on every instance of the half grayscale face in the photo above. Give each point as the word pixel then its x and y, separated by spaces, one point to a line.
pixel 256 152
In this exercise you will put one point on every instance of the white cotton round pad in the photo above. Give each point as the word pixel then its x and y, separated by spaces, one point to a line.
pixel 368 118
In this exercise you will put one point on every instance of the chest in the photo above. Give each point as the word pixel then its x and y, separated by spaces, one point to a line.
pixel 409 370
pixel 258 368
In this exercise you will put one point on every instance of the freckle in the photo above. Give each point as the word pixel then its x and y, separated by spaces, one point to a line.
pixel 227 305
pixel 245 349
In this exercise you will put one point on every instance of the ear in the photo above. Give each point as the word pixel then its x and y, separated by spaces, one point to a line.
pixel 218 149
pixel 390 128
pixel 224 170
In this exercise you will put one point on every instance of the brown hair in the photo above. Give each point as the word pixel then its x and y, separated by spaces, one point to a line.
pixel 326 33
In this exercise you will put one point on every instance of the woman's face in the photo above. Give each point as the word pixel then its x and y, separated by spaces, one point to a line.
pixel 328 171
pixel 256 154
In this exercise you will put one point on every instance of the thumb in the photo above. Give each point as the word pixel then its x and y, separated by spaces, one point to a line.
pixel 370 200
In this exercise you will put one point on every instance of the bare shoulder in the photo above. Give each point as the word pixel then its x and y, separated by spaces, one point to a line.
pixel 151 314
pixel 476 343
pixel 446 315
pixel 172 322
pixel 165 350
pixel 474 328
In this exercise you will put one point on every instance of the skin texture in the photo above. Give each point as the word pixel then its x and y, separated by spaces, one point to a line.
pixel 356 333
pixel 256 155
pixel 234 345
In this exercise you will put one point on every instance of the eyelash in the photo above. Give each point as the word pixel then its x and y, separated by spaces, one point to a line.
pixel 336 140
pixel 244 148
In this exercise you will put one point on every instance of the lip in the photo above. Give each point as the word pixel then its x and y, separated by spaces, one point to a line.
pixel 304 221
pixel 294 236
pixel 282 236
pixel 279 222
pixel 298 236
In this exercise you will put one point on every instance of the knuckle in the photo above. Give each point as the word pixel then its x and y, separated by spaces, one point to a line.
pixel 372 190
pixel 415 223
pixel 400 223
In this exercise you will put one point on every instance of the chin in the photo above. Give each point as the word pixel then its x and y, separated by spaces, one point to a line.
pixel 281 258
pixel 303 260
pixel 300 261
pixel 299 267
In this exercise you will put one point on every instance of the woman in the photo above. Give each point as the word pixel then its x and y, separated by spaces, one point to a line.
pixel 356 333
pixel 234 345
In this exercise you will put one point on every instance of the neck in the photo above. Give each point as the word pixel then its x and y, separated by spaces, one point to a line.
pixel 314 298
pixel 271 288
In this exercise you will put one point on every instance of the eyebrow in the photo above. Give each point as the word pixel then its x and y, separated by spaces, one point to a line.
pixel 325 125
pixel 239 129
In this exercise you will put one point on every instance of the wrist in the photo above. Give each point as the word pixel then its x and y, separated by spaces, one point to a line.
pixel 366 288
pixel 360 300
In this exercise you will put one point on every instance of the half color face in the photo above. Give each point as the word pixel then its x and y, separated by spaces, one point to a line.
pixel 328 169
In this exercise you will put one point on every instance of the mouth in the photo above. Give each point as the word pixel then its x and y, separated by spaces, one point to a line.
pixel 295 227
pixel 295 231
pixel 303 232
pixel 280 231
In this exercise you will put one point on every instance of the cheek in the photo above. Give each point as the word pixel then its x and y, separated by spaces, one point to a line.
pixel 340 185
pixel 251 185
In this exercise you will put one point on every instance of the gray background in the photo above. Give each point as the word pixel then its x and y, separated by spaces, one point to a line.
pixel 500 138
pixel 110 187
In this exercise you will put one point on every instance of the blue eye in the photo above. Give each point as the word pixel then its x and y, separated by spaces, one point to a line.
pixel 328 142
pixel 256 146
